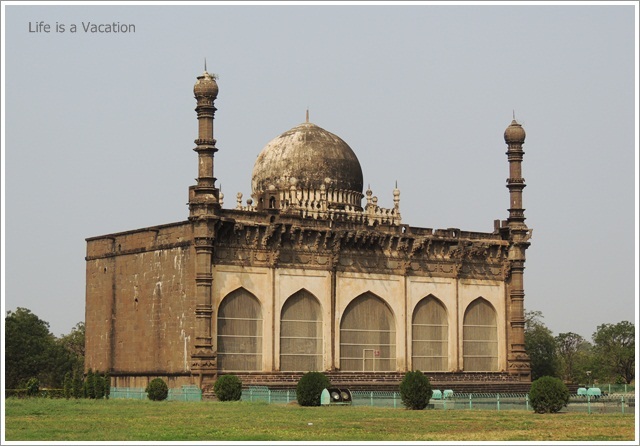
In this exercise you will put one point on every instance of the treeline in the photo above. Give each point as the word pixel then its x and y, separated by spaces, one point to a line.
pixel 610 358
pixel 33 352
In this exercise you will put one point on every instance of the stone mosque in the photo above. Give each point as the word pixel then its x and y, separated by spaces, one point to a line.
pixel 308 274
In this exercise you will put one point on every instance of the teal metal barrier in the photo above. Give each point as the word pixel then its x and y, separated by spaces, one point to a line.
pixel 185 393
pixel 449 400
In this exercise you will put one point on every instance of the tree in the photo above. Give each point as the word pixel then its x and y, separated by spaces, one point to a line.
pixel 74 343
pixel 77 387
pixel 28 348
pixel 615 346
pixel 67 385
pixel 90 385
pixel 107 384
pixel 98 385
pixel 572 352
pixel 541 346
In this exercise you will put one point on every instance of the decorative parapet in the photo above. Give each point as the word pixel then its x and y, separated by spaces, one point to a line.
pixel 323 204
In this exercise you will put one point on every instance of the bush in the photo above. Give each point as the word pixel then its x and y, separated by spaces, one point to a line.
pixel 33 387
pixel 157 390
pixel 310 388
pixel 548 395
pixel 415 390
pixel 228 388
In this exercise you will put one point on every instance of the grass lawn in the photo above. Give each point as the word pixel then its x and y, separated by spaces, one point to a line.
pixel 134 420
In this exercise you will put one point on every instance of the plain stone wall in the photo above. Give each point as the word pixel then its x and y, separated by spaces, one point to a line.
pixel 140 306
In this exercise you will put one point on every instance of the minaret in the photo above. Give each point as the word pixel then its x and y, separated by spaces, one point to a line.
pixel 204 201
pixel 204 196
pixel 518 236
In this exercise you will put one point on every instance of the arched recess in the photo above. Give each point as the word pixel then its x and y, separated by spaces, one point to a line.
pixel 430 336
pixel 240 332
pixel 301 333
pixel 480 337
pixel 368 335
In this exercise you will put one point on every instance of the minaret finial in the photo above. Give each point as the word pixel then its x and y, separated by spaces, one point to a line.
pixel 307 115
pixel 205 64
pixel 514 114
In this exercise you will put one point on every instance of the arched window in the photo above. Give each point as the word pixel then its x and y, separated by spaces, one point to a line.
pixel 301 333
pixel 240 332
pixel 272 203
pixel 480 337
pixel 367 336
pixel 430 334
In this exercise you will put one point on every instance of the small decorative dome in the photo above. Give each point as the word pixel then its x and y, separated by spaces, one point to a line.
pixel 312 159
pixel 514 133
pixel 206 86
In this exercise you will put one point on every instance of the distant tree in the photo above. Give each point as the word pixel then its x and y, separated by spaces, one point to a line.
pixel 67 389
pixel 540 346
pixel 615 346
pixel 572 352
pixel 74 343
pixel 28 348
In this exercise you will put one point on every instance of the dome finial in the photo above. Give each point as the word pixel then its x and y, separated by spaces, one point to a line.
pixel 205 64
pixel 307 115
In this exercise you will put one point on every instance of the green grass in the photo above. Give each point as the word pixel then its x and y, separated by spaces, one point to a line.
pixel 134 420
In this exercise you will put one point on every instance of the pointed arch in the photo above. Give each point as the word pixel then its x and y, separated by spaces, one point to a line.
pixel 368 335
pixel 240 332
pixel 301 333
pixel 480 337
pixel 430 336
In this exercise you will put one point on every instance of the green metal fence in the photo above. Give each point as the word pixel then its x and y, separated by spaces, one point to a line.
pixel 185 393
pixel 447 400
pixel 458 401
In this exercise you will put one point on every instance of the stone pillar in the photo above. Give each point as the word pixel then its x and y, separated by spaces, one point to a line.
pixel 518 236
pixel 203 205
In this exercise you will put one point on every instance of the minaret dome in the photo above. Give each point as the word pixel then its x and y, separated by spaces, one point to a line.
pixel 206 86
pixel 514 134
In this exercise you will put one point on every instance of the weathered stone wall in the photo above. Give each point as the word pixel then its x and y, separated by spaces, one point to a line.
pixel 140 306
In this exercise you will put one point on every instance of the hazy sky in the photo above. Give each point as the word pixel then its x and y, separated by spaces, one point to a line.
pixel 98 129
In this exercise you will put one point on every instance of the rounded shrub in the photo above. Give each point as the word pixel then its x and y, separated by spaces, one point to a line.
pixel 157 390
pixel 228 388
pixel 310 388
pixel 415 390
pixel 548 395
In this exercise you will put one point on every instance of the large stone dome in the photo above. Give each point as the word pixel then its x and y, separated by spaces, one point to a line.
pixel 310 159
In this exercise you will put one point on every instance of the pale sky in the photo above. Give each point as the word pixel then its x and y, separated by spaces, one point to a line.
pixel 98 129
